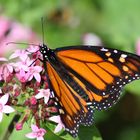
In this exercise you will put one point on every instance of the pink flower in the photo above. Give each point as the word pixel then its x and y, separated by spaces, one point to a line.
pixel 3 107
pixel 15 32
pixel 33 48
pixel 138 46
pixel 37 133
pixel 34 72
pixel 23 64
pixel 91 39
pixel 22 76
pixel 43 93
pixel 22 54
pixel 5 71
pixel 57 120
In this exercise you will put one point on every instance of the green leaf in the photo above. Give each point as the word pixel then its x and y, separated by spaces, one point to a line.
pixel 119 23
pixel 20 135
pixel 89 133
pixel 134 87
pixel 85 132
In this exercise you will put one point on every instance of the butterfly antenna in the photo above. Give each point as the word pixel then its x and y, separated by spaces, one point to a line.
pixel 42 25
pixel 21 43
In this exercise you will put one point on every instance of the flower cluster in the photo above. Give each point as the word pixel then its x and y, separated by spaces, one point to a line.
pixel 15 32
pixel 24 90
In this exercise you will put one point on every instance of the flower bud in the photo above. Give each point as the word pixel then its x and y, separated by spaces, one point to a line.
pixel 33 100
pixel 19 126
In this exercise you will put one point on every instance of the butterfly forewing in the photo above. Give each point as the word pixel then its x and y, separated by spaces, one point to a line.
pixel 102 70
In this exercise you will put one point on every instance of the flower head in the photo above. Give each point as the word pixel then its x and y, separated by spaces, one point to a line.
pixel 37 133
pixel 15 32
pixel 22 76
pixel 22 54
pixel 43 93
pixel 34 71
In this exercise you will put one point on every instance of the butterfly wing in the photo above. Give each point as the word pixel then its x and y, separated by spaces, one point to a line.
pixel 107 101
pixel 73 109
pixel 102 72
pixel 83 77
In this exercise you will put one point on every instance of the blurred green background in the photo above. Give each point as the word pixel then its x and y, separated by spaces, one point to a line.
pixel 117 23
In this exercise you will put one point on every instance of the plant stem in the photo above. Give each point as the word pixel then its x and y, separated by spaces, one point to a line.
pixel 11 127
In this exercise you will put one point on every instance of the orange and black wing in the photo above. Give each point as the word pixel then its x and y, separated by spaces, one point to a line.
pixel 88 77
pixel 101 72
pixel 73 110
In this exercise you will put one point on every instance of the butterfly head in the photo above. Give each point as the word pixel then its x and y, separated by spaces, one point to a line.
pixel 46 52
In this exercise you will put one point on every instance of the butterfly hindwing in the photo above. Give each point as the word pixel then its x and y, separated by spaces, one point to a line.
pixel 89 119
pixel 73 108
pixel 107 101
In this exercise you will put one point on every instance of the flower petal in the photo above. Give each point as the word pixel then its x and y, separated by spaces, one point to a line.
pixel 14 55
pixel 33 48
pixel 0 91
pixel 1 116
pixel 39 95
pixel 58 128
pixel 34 128
pixel 31 135
pixel 10 68
pixel 40 138
pixel 30 77
pixel 4 99
pixel 46 99
pixel 23 57
pixel 38 69
pixel 37 77
pixel 55 119
pixel 3 59
pixel 43 131
pixel 8 109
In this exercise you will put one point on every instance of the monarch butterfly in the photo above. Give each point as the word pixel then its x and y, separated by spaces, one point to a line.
pixel 84 78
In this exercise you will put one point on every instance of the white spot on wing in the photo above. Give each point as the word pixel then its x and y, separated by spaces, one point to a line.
pixel 115 51
pixel 89 103
pixel 104 50
pixel 123 55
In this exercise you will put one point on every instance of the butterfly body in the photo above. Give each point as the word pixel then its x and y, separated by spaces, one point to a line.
pixel 84 78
